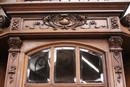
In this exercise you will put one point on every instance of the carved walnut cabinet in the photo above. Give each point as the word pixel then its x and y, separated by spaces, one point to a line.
pixel 65 44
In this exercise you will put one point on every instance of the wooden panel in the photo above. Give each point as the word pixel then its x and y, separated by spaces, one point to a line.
pixel 2 74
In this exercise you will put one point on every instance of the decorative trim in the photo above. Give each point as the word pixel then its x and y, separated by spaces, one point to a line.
pixel 14 47
pixel 65 22
pixel 114 23
pixel 15 24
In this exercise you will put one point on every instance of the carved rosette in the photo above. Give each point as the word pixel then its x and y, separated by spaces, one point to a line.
pixel 14 48
pixel 15 24
pixel 114 23
pixel 115 47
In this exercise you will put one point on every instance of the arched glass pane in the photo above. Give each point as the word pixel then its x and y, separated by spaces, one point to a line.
pixel 90 67
pixel 64 60
pixel 39 67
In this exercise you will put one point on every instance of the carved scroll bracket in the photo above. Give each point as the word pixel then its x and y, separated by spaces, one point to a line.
pixel 14 49
pixel 125 21
pixel 115 43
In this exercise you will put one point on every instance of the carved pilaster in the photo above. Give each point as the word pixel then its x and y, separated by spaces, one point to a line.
pixel 115 43
pixel 14 51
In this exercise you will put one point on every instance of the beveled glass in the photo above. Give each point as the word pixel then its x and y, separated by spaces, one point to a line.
pixel 64 61
pixel 39 67
pixel 90 67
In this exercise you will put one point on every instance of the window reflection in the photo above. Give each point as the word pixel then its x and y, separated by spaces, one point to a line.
pixel 90 67
pixel 64 65
pixel 39 67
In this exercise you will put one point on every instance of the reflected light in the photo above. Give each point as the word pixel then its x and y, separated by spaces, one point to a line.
pixel 48 79
pixel 75 80
pixel 90 64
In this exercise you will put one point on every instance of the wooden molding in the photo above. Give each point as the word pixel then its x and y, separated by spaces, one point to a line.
pixel 116 8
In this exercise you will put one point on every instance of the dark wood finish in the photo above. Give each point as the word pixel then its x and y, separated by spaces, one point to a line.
pixel 2 73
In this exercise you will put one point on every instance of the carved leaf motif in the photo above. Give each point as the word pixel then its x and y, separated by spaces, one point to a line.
pixel 14 43
pixel 115 41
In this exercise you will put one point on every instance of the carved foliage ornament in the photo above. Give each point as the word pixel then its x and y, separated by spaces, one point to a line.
pixel 65 22
pixel 115 41
pixel 14 43
pixel 118 67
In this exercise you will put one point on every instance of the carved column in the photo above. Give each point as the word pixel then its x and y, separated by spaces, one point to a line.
pixel 13 62
pixel 117 64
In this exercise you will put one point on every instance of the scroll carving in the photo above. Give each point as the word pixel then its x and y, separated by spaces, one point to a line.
pixel 118 67
pixel 125 21
pixel 4 22
pixel 114 23
pixel 65 22
pixel 11 73
pixel 14 47
pixel 115 47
